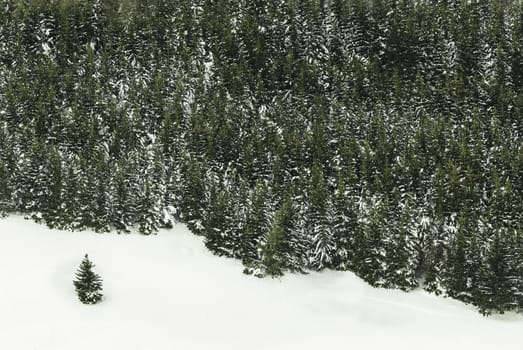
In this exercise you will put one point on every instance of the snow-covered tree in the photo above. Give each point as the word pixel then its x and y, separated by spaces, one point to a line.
pixel 87 283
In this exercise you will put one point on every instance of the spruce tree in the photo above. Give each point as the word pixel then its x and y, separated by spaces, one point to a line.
pixel 323 245
pixel 87 283
pixel 276 251
pixel 148 212
pixel 496 279
pixel 400 266
pixel 256 224
pixel 53 213
pixel 456 266
pixel 343 226
pixel 217 222
pixel 272 251
pixel 122 209
pixel 73 181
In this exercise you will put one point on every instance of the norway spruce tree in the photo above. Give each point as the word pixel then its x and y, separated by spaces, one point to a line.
pixel 87 283
pixel 275 252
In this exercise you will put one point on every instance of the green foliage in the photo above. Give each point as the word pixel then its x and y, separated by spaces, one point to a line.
pixel 364 129
pixel 497 280
pixel 277 243
pixel 88 284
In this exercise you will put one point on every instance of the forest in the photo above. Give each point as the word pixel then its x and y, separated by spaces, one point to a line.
pixel 382 137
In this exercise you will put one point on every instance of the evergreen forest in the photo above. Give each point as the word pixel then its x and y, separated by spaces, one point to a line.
pixel 383 137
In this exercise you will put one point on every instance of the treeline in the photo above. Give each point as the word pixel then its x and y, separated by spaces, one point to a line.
pixel 382 137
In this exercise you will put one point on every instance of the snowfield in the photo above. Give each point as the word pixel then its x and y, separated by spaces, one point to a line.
pixel 168 292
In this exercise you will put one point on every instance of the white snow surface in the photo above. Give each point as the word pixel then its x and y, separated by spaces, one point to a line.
pixel 168 292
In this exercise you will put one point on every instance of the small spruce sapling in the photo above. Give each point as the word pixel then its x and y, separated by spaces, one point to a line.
pixel 87 283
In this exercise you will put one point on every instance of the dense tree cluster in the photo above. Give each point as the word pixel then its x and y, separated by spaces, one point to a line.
pixel 378 136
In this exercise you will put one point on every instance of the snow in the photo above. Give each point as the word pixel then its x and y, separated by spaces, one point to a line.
pixel 168 292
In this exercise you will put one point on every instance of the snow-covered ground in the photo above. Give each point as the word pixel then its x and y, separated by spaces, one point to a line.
pixel 168 292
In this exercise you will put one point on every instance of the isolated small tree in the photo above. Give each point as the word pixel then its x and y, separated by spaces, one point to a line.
pixel 87 283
